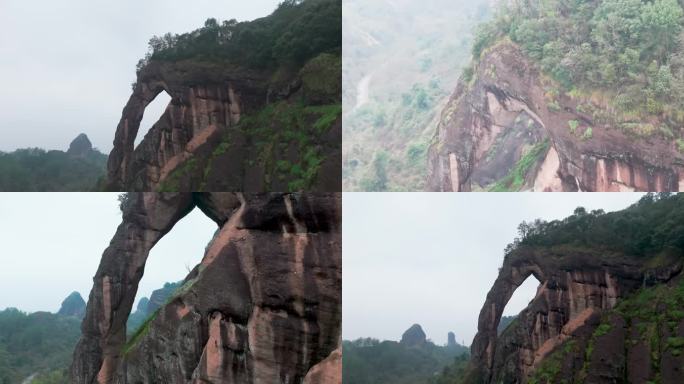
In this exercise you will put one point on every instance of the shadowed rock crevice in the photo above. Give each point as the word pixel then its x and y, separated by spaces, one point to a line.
pixel 264 305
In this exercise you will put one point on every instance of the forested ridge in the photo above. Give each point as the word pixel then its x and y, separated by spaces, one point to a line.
pixel 38 170
pixel 623 58
pixel 297 31
pixel 371 361
pixel 652 225
pixel 40 343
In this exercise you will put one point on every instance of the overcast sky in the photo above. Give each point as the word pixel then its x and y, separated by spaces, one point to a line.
pixel 431 258
pixel 51 245
pixel 66 67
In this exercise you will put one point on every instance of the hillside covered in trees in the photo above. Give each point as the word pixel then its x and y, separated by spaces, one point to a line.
pixel 648 228
pixel 626 56
pixel 371 361
pixel 39 343
pixel 38 170
pixel 297 31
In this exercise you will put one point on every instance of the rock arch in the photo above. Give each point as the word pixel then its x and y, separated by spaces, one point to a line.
pixel 204 102
pixel 575 288
pixel 506 83
pixel 264 305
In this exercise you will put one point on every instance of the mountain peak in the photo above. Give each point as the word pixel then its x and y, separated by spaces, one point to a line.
pixel 414 336
pixel 80 146
pixel 73 306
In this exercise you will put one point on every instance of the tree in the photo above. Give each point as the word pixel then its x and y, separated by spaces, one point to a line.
pixel 661 21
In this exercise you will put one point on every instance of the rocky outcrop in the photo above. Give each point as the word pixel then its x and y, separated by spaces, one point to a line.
pixel 451 339
pixel 414 336
pixel 502 128
pixel 80 146
pixel 577 290
pixel 199 143
pixel 263 306
pixel 73 306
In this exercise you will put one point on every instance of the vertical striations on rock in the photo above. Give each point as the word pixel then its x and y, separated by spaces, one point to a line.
pixel 253 108
pixel 263 306
pixel 499 131
pixel 599 298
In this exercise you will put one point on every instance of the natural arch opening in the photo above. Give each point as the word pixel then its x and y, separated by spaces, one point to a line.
pixel 168 263
pixel 521 298
pixel 153 112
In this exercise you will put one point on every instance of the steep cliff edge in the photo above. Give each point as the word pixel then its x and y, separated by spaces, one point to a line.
pixel 567 96
pixel 502 131
pixel 608 308
pixel 255 106
pixel 263 306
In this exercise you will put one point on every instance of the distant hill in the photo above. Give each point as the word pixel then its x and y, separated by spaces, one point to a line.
pixel 73 306
pixel 414 360
pixel 42 343
pixel 39 170
pixel 148 306
pixel 39 342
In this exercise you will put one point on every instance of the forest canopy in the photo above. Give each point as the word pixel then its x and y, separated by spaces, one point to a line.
pixel 297 31
pixel 654 224
pixel 631 49
pixel 40 342
pixel 37 170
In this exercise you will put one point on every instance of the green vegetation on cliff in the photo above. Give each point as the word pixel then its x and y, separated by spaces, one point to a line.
pixel 623 59
pixel 287 134
pixel 652 227
pixel 370 361
pixel 651 317
pixel 297 31
pixel 515 180
pixel 40 342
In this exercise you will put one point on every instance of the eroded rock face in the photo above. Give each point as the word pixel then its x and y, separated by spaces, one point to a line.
pixel 490 124
pixel 204 102
pixel 575 290
pixel 263 306
pixel 197 144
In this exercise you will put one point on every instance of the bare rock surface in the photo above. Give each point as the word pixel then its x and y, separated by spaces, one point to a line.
pixel 199 143
pixel 572 317
pixel 503 118
pixel 263 306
